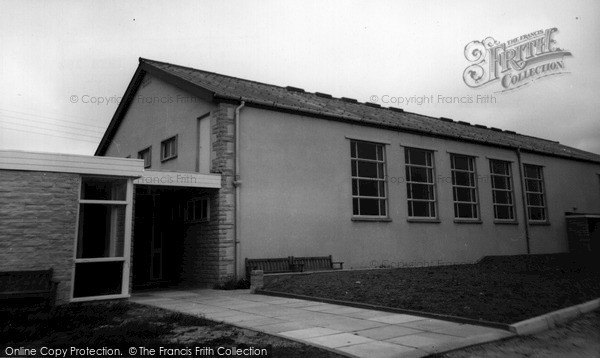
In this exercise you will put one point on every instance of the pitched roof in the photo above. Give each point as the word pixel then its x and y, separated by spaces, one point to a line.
pixel 344 109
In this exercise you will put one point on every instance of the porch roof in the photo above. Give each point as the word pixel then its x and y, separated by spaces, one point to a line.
pixel 179 179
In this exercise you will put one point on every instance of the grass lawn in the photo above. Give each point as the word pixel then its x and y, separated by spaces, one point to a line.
pixel 123 325
pixel 498 289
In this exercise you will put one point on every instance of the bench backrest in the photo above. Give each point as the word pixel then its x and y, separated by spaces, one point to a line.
pixel 25 281
pixel 269 265
pixel 315 263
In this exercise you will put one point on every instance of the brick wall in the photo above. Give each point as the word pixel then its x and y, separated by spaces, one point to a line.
pixel 38 216
pixel 578 235
pixel 209 248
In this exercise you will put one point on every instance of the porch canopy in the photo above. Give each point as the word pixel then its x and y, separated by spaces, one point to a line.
pixel 179 179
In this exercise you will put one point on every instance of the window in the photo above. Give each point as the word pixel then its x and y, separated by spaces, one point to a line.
pixel 368 179
pixel 103 238
pixel 420 184
pixel 534 190
pixel 464 187
pixel 197 210
pixel 168 149
pixel 146 155
pixel 502 191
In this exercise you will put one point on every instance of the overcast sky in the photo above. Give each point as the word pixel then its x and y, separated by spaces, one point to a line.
pixel 52 51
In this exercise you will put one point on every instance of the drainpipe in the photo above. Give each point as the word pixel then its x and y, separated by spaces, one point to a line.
pixel 236 183
pixel 523 199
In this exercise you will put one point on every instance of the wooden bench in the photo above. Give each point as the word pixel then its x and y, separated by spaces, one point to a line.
pixel 28 284
pixel 292 264
pixel 318 263
pixel 271 265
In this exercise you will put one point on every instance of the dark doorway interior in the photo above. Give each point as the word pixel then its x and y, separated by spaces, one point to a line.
pixel 158 235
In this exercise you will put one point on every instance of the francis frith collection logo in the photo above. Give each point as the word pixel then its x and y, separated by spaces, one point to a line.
pixel 516 62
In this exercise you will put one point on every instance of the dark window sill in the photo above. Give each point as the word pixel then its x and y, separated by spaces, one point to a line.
pixel 358 218
pixel 461 221
pixel 501 222
pixel 424 221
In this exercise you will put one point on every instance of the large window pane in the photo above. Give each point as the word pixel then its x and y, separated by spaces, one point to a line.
pixel 462 162
pixel 421 191
pixel 535 199
pixel 368 179
pixel 101 231
pixel 418 174
pixel 464 187
pixel 502 192
pixel 534 189
pixel 366 150
pixel 369 206
pixel 420 186
pixel 463 179
pixel 499 167
pixel 466 211
pixel 368 188
pixel 464 194
pixel 503 212
pixel 500 182
pixel 538 214
pixel 502 197
pixel 534 186
pixel 98 278
pixel 418 157
pixel 367 170
pixel 532 171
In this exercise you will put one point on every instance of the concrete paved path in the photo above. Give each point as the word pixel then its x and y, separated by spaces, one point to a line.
pixel 347 330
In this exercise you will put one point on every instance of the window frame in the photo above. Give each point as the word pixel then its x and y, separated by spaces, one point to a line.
pixel 433 203
pixel 380 179
pixel 125 258
pixel 472 163
pixel 511 191
pixel 140 156
pixel 542 186
pixel 163 146
pixel 192 202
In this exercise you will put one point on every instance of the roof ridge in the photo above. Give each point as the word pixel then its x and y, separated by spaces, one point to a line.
pixel 347 105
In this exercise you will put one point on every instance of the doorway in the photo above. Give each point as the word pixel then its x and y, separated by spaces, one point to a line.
pixel 158 238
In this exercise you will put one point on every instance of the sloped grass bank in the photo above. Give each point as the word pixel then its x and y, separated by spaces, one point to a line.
pixel 504 289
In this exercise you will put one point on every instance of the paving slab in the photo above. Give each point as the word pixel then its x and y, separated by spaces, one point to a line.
pixel 387 332
pixel 310 332
pixel 319 307
pixel 339 340
pixel 380 350
pixel 426 341
pixel 429 324
pixel 260 322
pixel 350 331
pixel 342 310
pixel 301 304
pixel 396 318
pixel 349 324
pixel 282 327
pixel 465 330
